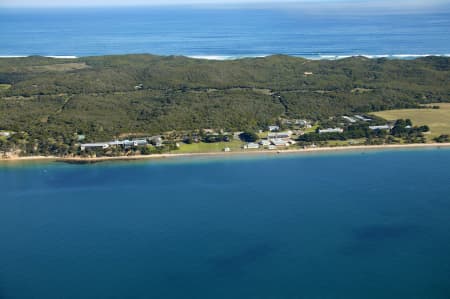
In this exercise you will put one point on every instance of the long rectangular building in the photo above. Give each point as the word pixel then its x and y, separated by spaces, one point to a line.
pixel 331 130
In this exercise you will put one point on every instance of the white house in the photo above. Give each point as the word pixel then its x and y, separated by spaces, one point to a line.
pixel 274 128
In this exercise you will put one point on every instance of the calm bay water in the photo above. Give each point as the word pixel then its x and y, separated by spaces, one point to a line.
pixel 221 33
pixel 348 225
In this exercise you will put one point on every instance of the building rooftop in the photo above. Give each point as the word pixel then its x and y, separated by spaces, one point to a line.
pixel 382 127
pixel 331 130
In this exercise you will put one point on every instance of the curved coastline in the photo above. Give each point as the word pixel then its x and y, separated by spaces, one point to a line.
pixel 356 148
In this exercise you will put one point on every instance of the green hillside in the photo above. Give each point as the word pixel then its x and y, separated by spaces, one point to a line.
pixel 107 96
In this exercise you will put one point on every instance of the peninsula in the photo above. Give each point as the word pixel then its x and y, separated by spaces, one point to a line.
pixel 131 106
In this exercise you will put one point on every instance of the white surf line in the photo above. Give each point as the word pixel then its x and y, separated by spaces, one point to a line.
pixel 51 56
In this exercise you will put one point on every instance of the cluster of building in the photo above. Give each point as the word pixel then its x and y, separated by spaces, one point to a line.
pixel 340 130
pixel 274 140
pixel 154 140
pixel 357 118
pixel 304 123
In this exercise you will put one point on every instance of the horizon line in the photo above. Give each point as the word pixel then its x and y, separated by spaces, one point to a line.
pixel 363 5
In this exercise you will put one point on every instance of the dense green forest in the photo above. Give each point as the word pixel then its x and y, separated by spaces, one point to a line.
pixel 105 96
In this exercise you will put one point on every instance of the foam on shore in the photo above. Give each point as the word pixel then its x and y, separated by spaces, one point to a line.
pixel 320 57
pixel 225 57
pixel 235 57
pixel 50 56
pixel 374 56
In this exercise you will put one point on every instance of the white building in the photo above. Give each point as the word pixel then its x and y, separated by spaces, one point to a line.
pixel 251 145
pixel 279 142
pixel 116 143
pixel 105 145
pixel 362 118
pixel 102 145
pixel 274 128
pixel 383 127
pixel 139 142
pixel 349 119
pixel 331 130
pixel 264 142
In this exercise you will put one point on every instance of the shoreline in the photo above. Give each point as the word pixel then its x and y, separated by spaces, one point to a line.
pixel 81 160
pixel 224 57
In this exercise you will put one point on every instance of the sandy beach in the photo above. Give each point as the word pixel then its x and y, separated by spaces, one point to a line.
pixel 235 153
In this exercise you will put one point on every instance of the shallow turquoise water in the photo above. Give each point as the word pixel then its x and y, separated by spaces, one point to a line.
pixel 348 225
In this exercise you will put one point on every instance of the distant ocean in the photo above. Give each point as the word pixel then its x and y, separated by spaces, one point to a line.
pixel 221 33
pixel 369 225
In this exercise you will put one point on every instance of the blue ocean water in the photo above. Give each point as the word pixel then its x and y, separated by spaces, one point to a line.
pixel 345 225
pixel 221 33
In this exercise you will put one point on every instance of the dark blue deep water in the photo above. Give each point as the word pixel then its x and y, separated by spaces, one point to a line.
pixel 222 32
pixel 348 225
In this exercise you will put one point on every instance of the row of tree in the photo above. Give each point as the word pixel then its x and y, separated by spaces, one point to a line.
pixel 402 128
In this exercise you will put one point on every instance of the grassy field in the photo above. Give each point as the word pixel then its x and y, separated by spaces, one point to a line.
pixel 5 86
pixel 437 119
pixel 60 67
pixel 209 147
pixel 358 141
